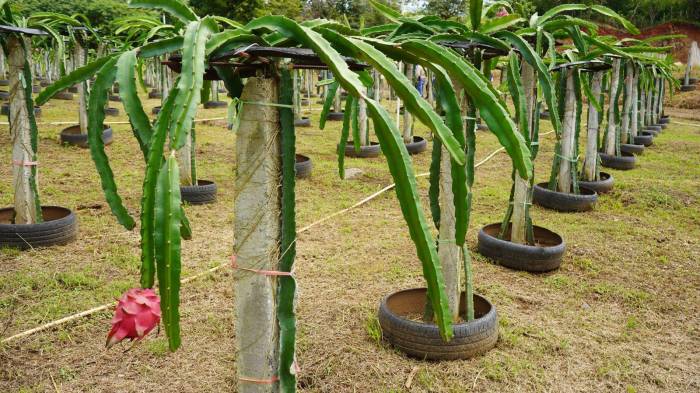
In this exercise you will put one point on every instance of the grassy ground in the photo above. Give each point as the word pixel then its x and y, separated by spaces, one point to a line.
pixel 620 315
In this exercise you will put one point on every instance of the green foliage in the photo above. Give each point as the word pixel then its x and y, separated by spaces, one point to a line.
pixel 100 13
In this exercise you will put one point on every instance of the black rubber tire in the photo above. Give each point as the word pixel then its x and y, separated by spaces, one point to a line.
pixel 644 139
pixel 303 166
pixel 44 83
pixel 482 127
pixel 371 151
pixel 664 120
pixel 303 122
pixel 335 116
pixel 602 186
pixel 72 136
pixel 60 227
pixel 625 162
pixel 36 89
pixel 423 340
pixel 155 110
pixel 688 87
pixel 418 145
pixel 5 82
pixel 115 89
pixel 112 111
pixel 562 201
pixel 154 94
pixel 63 95
pixel 544 115
pixel 215 104
pixel 304 102
pixel 203 193
pixel 5 110
pixel 663 125
pixel 654 130
pixel 544 257
pixel 115 98
pixel 632 148
pixel 73 89
pixel 4 95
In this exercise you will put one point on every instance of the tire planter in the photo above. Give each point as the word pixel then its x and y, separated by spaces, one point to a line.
pixel 4 95
pixel 215 104
pixel 602 186
pixel 154 94
pixel 302 166
pixel 335 116
pixel 632 149
pixel 691 81
pixel 203 193
pixel 422 340
pixel 36 89
pixel 371 151
pixel 654 130
pixel 5 110
pixel 688 87
pixel 115 98
pixel 664 120
pixel 544 115
pixel 304 102
pixel 562 201
pixel 418 145
pixel 59 227
pixel 303 122
pixel 42 84
pixel 112 111
pixel 73 89
pixel 625 162
pixel 644 138
pixel 72 136
pixel 545 256
pixel 482 127
pixel 63 95
pixel 4 82
pixel 155 110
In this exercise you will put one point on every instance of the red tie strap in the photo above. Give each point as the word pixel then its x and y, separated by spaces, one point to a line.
pixel 269 273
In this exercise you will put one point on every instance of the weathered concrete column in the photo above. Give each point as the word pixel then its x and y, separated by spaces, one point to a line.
pixel 591 162
pixel 448 251
pixel 79 61
pixel 611 138
pixel 362 122
pixel 257 237
pixel 184 161
pixel 521 190
pixel 634 127
pixel 627 105
pixel 20 134
pixel 568 140
pixel 407 117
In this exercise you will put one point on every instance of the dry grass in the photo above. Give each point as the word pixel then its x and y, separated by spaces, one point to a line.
pixel 620 314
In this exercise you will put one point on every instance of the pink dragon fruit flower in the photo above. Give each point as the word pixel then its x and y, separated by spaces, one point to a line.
pixel 137 313
pixel 502 12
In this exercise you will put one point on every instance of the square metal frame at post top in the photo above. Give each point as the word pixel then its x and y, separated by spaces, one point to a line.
pixel 254 58
pixel 585 66
pixel 21 30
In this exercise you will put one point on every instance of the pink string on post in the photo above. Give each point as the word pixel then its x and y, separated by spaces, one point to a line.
pixel 25 163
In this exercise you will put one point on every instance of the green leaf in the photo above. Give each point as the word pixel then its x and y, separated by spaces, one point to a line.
pixel 172 7
pixel 531 57
pixel 475 7
pixel 403 88
pixel 406 190
pixel 78 76
pixel 327 103
pixel 153 166
pixel 126 77
pixel 483 96
pixel 167 245
pixel 96 115
pixel 286 286
pixel 558 10
pixel 603 10
pixel 502 23
pixel 386 11
pixel 161 47
pixel 191 79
